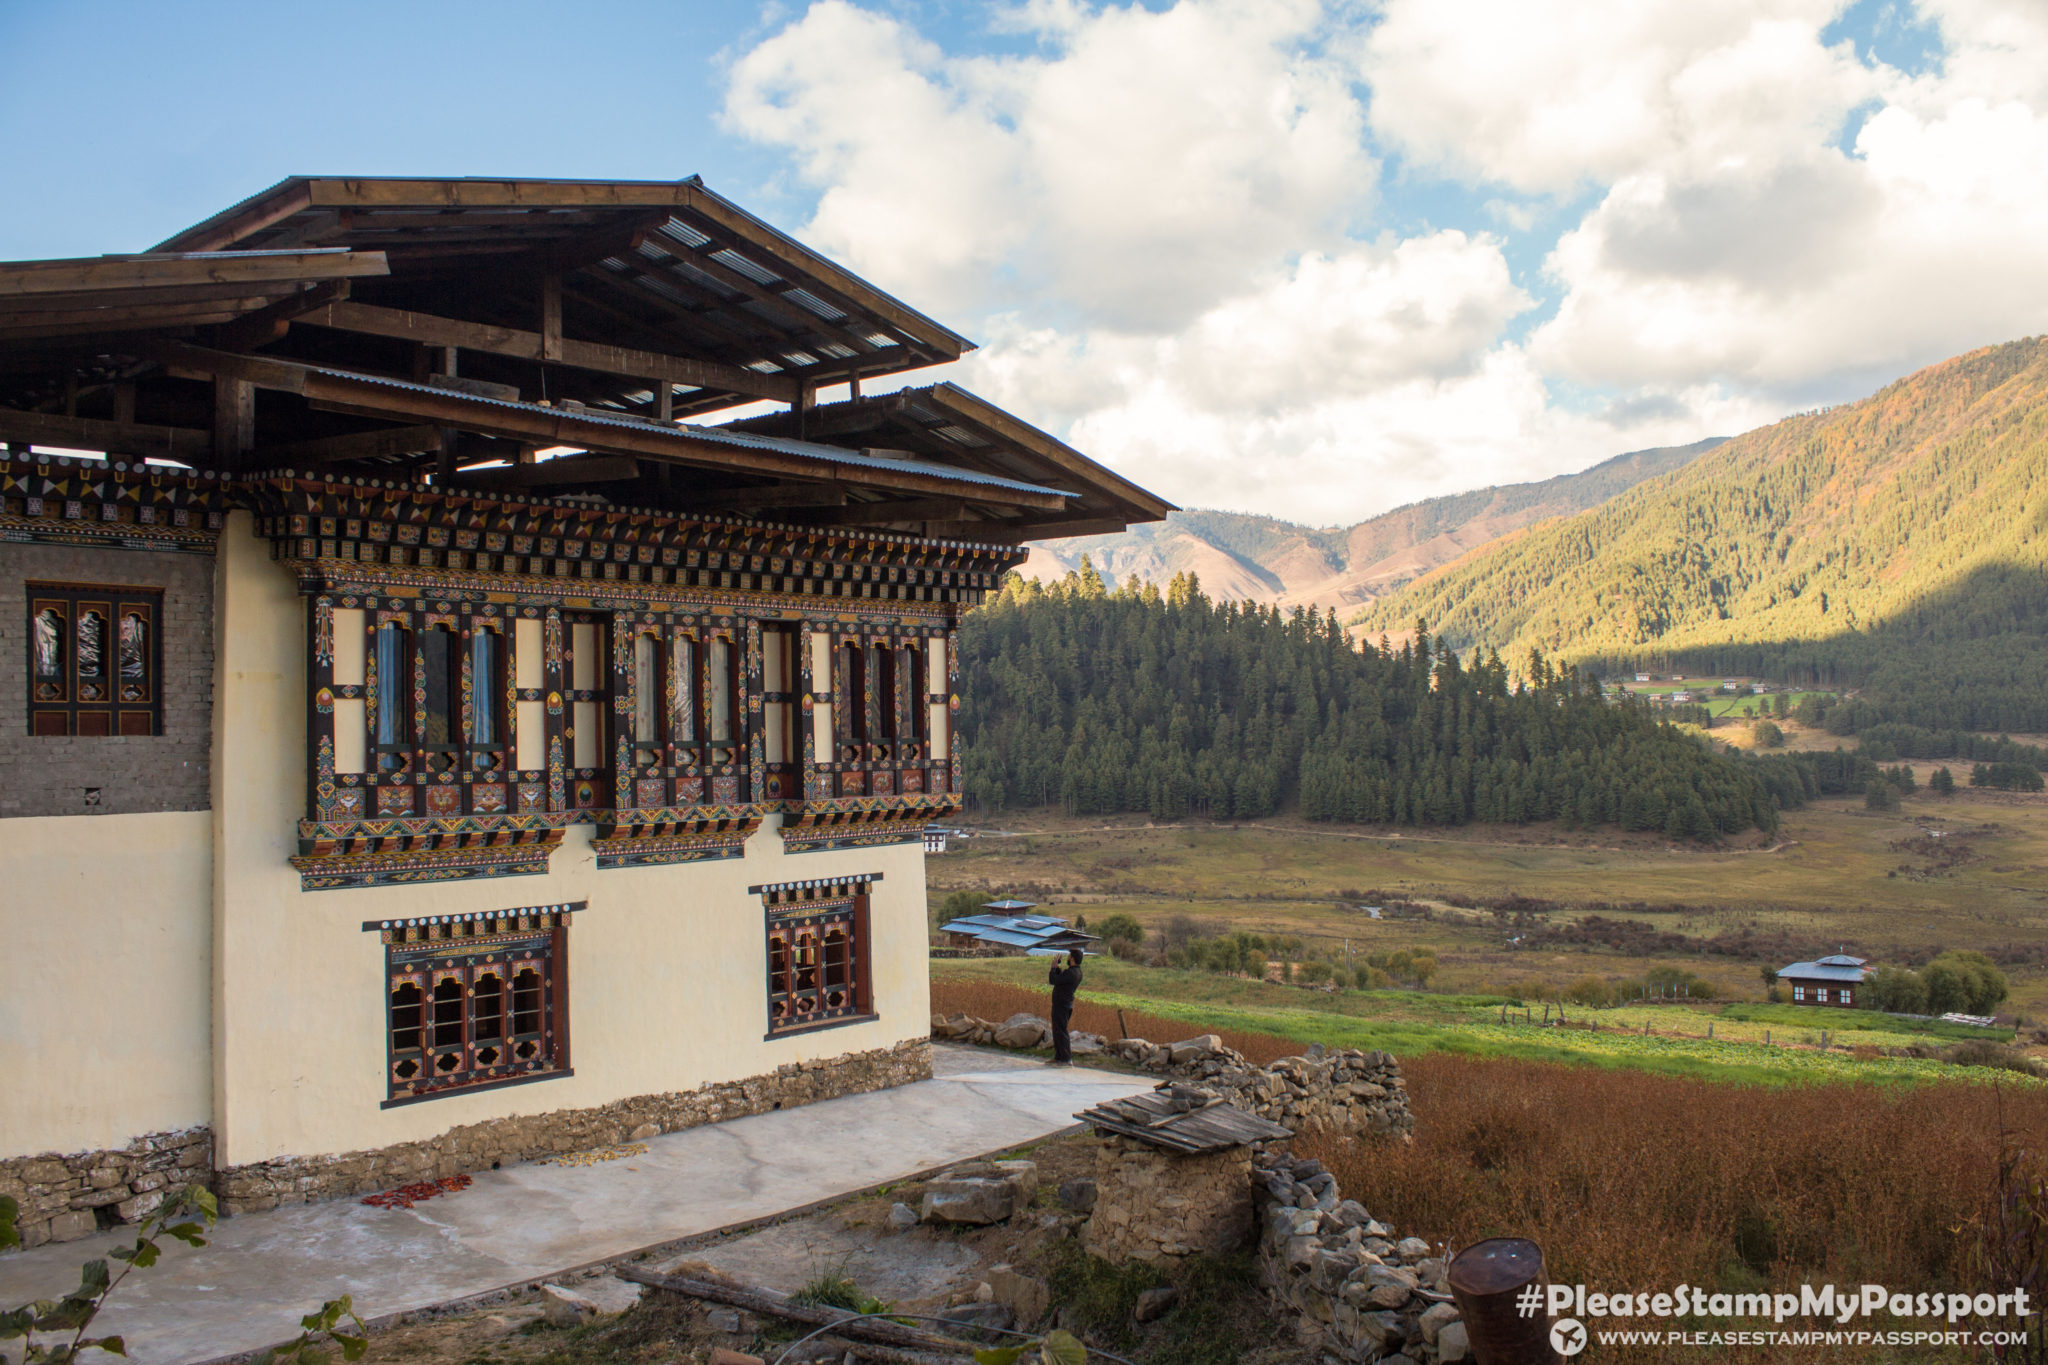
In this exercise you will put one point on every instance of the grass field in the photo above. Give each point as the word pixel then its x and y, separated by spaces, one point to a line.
pixel 1835 876
pixel 1673 1040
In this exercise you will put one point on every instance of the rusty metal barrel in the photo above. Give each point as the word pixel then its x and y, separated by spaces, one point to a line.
pixel 1486 1279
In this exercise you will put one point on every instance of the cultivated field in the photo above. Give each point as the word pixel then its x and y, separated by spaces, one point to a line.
pixel 1835 876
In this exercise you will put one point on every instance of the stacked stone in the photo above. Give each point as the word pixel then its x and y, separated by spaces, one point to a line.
pixel 1348 1091
pixel 63 1198
pixel 479 1146
pixel 1353 1291
pixel 1152 1205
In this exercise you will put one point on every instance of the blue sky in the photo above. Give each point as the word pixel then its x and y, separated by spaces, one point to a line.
pixel 1307 258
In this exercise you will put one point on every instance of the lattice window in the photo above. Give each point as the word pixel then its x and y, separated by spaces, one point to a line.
pixel 94 660
pixel 476 1011
pixel 423 709
pixel 817 956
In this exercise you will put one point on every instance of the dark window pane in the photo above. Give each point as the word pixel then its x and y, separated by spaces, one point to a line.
pixel 394 687
pixel 437 665
pixel 486 683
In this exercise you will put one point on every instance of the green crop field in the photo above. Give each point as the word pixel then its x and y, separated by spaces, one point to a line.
pixel 1666 1040
pixel 1835 876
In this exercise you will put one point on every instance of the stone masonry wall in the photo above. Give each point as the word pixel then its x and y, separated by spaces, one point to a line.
pixel 66 1197
pixel 1352 1291
pixel 1151 1205
pixel 1348 1091
pixel 479 1146
pixel 48 775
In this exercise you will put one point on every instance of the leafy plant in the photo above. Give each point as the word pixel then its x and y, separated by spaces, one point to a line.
pixel 186 1219
pixel 1057 1348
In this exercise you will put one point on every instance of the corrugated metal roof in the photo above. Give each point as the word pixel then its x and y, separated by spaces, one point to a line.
pixel 1814 971
pixel 724 436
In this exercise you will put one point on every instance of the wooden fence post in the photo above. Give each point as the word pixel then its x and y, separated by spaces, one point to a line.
pixel 1486 1279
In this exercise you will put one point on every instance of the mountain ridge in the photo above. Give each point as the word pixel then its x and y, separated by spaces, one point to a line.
pixel 1246 557
pixel 1898 544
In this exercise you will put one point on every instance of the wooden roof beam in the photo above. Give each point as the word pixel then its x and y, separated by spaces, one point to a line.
pixel 148 272
pixel 431 330
pixel 188 445
pixel 358 445
pixel 368 396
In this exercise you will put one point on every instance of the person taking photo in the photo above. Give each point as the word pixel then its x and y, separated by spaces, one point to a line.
pixel 1065 979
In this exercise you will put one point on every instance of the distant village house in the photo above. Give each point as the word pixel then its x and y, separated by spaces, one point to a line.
pixel 1831 980
pixel 1007 925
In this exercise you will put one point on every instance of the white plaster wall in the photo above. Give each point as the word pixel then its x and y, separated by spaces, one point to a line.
pixel 104 992
pixel 667 967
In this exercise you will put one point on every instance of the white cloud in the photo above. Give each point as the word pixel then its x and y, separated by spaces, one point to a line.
pixel 1549 95
pixel 1167 225
pixel 1133 176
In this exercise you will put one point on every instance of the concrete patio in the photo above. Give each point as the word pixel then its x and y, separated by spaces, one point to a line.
pixel 262 1271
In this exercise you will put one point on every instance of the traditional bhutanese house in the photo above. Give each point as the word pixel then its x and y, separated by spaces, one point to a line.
pixel 425 720
pixel 1028 934
pixel 1831 980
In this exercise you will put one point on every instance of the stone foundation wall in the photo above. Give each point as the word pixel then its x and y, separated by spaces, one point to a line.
pixel 1348 1091
pixel 1151 1205
pixel 1351 1289
pixel 65 1197
pixel 479 1146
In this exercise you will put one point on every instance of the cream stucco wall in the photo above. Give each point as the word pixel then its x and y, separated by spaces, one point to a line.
pixel 667 967
pixel 104 1000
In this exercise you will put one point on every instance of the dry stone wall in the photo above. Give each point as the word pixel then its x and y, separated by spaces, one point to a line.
pixel 1354 1289
pixel 1151 1205
pixel 1345 1092
pixel 65 1197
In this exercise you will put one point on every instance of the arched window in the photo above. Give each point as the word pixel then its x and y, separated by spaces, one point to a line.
pixel 134 657
pixel 49 632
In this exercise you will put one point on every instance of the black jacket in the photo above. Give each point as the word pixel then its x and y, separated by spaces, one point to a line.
pixel 1064 982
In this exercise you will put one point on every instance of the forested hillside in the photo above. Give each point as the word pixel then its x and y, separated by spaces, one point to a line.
pixel 1898 545
pixel 1263 559
pixel 1174 705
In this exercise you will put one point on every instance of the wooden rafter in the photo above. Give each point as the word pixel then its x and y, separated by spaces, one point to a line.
pixel 185 444
pixel 432 330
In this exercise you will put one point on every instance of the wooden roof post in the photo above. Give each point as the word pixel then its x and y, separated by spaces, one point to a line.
pixel 550 317
pixel 234 421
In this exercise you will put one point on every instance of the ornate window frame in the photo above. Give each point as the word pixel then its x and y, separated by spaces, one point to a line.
pixel 817 954
pixel 94 665
pixel 475 1002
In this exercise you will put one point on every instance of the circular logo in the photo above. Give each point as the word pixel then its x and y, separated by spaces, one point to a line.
pixel 1567 1336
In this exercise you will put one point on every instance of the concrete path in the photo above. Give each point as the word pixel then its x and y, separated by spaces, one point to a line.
pixel 262 1271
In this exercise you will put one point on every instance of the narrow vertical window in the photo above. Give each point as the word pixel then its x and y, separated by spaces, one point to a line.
pixel 887 703
pixel 911 669
pixel 526 1013
pixel 448 1011
pixel 407 1024
pixel 487 1016
pixel 394 686
pixel 722 681
pixel 134 657
pixel 92 643
pixel 486 687
pixel 853 696
pixel 49 651
pixel 686 690
pixel 647 698
pixel 438 681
